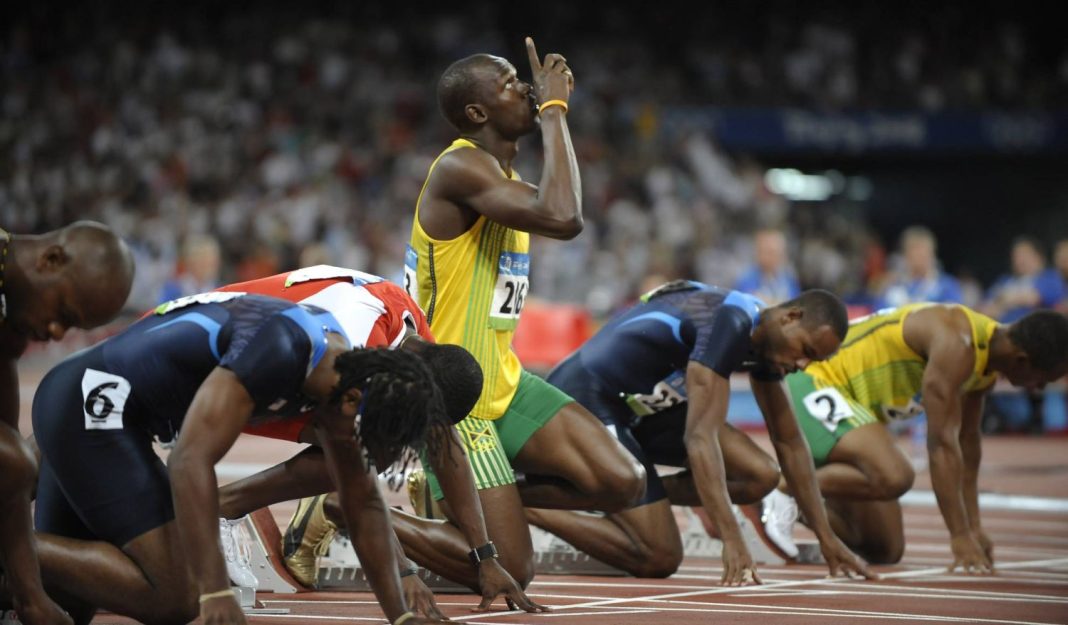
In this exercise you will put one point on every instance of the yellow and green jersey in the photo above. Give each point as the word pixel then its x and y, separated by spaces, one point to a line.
pixel 472 289
pixel 881 372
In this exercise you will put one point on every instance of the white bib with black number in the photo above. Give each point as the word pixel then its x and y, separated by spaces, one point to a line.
pixel 104 395
pixel 828 406
pixel 513 282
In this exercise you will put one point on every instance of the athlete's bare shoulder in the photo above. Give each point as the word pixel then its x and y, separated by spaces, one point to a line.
pixel 939 322
pixel 463 172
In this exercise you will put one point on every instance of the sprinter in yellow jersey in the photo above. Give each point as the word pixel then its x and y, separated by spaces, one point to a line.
pixel 894 364
pixel 468 266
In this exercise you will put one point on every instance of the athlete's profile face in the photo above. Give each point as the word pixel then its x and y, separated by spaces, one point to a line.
pixel 1024 375
pixel 793 346
pixel 55 309
pixel 513 106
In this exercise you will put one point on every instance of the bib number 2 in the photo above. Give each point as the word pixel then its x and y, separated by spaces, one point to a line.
pixel 510 293
pixel 829 407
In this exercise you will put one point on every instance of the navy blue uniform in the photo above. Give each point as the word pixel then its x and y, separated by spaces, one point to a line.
pixel 632 373
pixel 96 413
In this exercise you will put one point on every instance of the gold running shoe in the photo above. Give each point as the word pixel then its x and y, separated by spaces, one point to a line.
pixel 307 538
pixel 419 495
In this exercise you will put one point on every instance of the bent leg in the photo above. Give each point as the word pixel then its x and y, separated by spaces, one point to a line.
pixel 592 470
pixel 751 473
pixel 146 579
pixel 873 529
pixel 854 453
pixel 643 541
pixel 866 464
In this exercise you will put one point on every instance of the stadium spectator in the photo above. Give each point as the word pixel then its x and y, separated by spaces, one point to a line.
pixel 919 279
pixel 199 272
pixel 770 277
pixel 1030 285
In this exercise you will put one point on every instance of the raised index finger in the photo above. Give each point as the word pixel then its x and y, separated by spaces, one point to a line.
pixel 532 54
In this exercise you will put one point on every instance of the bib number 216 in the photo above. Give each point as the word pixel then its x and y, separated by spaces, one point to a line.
pixel 510 292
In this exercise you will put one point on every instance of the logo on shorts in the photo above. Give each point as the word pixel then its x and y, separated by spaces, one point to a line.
pixel 481 440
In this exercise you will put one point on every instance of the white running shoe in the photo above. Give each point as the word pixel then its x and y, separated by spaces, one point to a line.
pixel 779 514
pixel 237 552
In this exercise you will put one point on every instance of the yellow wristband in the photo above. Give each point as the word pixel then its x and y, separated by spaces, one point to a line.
pixel 229 592
pixel 404 617
pixel 545 105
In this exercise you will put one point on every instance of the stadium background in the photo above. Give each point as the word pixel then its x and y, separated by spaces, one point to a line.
pixel 227 141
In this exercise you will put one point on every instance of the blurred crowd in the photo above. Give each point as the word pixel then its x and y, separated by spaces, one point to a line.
pixel 227 145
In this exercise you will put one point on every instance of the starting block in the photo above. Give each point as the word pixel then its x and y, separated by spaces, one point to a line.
pixel 246 597
pixel 266 560
pixel 340 570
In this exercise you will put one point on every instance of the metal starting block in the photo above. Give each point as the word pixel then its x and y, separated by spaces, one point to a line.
pixel 340 570
pixel 266 557
pixel 809 553
pixel 246 597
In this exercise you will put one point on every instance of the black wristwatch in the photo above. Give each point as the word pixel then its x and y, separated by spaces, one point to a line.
pixel 485 552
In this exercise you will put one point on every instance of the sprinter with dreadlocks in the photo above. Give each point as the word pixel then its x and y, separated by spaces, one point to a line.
pixel 373 312
pixel 118 533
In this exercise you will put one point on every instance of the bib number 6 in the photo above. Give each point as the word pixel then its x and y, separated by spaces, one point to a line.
pixel 828 406
pixel 104 396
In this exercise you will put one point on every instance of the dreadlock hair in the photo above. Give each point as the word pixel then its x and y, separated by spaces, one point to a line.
pixel 821 308
pixel 401 409
pixel 1043 336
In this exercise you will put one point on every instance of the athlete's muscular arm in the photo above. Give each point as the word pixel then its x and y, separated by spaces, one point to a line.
pixel 944 337
pixel 972 452
pixel 706 413
pixel 220 408
pixel 364 510
pixel 458 486
pixel 472 178
pixel 796 461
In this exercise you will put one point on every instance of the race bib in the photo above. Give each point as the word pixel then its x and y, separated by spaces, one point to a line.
pixel 411 264
pixel 104 396
pixel 828 406
pixel 200 298
pixel 513 282
pixel 667 393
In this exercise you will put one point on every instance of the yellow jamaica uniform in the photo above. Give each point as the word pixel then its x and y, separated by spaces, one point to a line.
pixel 875 376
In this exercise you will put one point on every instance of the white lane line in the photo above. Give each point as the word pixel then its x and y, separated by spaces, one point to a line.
pixel 744 589
pixel 963 593
pixel 993 501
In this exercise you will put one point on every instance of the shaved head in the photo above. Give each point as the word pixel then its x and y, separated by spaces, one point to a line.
pixel 464 82
pixel 101 265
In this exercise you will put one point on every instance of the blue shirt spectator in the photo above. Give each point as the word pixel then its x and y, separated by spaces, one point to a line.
pixel 1030 286
pixel 770 278
pixel 920 279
